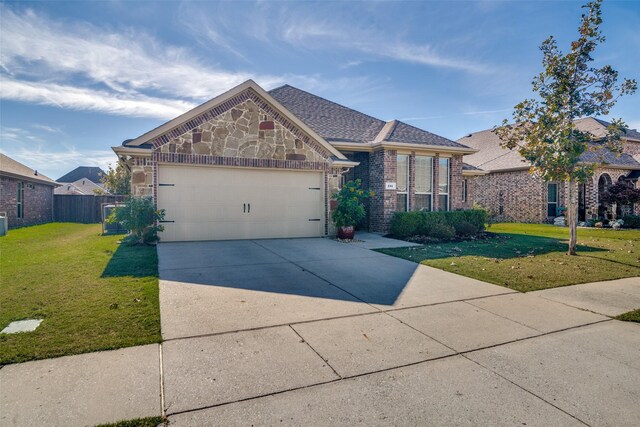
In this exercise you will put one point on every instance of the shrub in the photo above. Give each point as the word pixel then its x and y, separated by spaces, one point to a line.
pixel 442 231
pixel 438 224
pixel 631 221
pixel 138 216
pixel 406 224
pixel 350 210
pixel 465 228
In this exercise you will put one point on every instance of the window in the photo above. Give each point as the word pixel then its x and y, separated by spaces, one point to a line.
pixel 465 186
pixel 424 183
pixel 443 185
pixel 402 185
pixel 552 199
pixel 20 204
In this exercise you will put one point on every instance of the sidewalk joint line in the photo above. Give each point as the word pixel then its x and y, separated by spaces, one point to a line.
pixel 525 390
pixel 314 350
pixel 162 410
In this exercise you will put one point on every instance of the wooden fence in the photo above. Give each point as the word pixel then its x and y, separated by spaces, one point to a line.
pixel 84 209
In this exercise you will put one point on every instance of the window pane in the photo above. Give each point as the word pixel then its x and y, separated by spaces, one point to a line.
pixel 552 194
pixel 464 190
pixel 424 174
pixel 552 209
pixel 401 200
pixel 443 203
pixel 443 176
pixel 403 173
pixel 423 202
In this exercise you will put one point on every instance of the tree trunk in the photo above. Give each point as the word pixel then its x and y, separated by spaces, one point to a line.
pixel 572 216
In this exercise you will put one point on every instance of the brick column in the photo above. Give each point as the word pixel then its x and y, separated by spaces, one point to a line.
pixel 455 182
pixel 383 168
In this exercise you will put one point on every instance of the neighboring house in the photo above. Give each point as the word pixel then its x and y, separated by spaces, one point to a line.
pixel 511 193
pixel 81 187
pixel 26 196
pixel 92 173
pixel 257 164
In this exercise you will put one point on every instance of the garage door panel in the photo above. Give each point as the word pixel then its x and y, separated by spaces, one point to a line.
pixel 212 203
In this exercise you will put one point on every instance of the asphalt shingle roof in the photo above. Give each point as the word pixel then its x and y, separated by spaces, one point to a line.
pixel 335 122
pixel 93 173
pixel 493 157
pixel 15 168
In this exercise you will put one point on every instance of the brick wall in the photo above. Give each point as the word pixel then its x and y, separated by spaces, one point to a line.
pixel 512 196
pixel 382 168
pixel 37 202
pixel 471 184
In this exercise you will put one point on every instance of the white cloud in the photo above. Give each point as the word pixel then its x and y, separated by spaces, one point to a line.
pixel 56 163
pixel 124 61
pixel 319 35
pixel 92 100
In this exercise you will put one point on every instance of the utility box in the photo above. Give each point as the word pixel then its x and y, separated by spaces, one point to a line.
pixel 107 228
pixel 4 224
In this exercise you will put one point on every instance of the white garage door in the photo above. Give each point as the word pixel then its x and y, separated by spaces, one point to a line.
pixel 216 203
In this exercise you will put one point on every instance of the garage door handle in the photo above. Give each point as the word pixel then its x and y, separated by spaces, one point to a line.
pixel 244 208
pixel 249 208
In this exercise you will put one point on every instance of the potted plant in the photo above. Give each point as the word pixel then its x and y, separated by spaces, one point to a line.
pixel 350 210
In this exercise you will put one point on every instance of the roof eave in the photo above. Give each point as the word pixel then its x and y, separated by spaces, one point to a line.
pixel 474 173
pixel 29 178
pixel 372 146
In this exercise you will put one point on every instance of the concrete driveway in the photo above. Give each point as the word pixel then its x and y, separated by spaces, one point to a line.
pixel 313 331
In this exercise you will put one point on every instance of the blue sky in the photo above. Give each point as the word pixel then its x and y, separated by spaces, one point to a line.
pixel 79 77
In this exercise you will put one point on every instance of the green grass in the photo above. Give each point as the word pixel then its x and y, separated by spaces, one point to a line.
pixel 138 422
pixel 528 257
pixel 632 316
pixel 92 293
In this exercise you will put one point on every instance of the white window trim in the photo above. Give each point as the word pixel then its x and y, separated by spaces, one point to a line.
pixel 448 193
pixel 430 194
pixel 407 183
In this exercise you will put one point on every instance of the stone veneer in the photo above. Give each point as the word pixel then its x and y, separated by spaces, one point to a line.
pixel 245 131
pixel 37 203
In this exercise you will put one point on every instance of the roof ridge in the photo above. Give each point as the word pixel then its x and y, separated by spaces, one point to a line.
pixel 329 101
pixel 386 130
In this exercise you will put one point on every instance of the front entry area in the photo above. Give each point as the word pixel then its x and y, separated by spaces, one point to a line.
pixel 220 203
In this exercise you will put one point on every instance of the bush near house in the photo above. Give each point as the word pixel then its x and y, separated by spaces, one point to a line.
pixel 438 225
pixel 631 221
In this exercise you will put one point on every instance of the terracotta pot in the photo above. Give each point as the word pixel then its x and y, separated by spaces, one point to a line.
pixel 346 233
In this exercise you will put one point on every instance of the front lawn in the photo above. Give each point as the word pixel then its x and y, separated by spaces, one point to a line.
pixel 528 257
pixel 92 293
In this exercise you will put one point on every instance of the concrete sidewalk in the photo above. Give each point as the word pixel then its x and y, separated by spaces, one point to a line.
pixel 610 298
pixel 316 332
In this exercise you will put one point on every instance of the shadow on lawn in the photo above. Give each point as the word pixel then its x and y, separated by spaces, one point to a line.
pixel 132 261
pixel 501 246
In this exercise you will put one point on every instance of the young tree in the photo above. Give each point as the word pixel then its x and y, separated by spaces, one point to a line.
pixel 568 88
pixel 118 180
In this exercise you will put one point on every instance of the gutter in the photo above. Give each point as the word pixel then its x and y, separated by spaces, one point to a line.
pixel 372 146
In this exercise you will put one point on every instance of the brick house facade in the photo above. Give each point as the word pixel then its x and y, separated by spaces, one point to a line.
pixel 511 193
pixel 289 129
pixel 25 195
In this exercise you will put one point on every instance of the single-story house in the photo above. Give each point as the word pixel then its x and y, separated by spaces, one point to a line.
pixel 256 164
pixel 82 181
pixel 511 193
pixel 81 187
pixel 92 173
pixel 26 196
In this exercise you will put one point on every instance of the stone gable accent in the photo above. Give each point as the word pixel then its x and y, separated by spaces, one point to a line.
pixel 243 127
